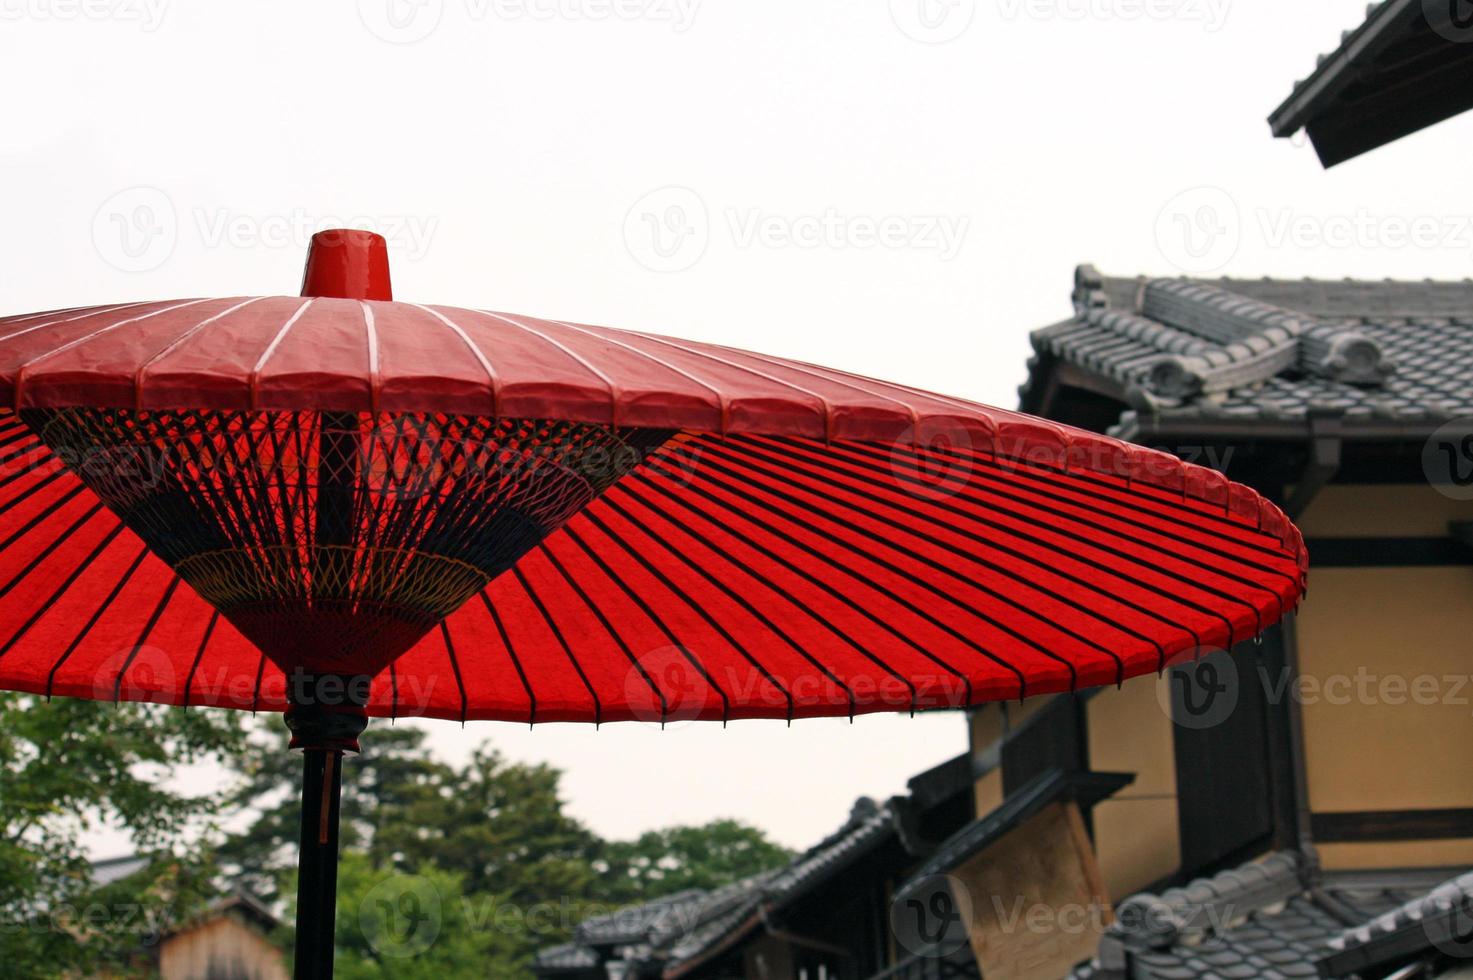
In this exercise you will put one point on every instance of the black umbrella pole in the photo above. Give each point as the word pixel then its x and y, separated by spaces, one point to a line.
pixel 317 863
pixel 326 716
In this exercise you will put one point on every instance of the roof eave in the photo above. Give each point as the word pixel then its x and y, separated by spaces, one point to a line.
pixel 1294 113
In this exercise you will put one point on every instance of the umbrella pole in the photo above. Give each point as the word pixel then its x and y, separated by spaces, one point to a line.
pixel 326 715
pixel 317 863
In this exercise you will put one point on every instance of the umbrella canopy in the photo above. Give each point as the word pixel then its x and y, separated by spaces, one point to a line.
pixel 642 527
pixel 341 505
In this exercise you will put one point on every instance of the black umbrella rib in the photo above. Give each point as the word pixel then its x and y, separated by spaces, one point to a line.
pixel 812 580
pixel 153 620
pixel 598 708
pixel 825 586
pixel 92 620
pixel 455 668
pixel 511 651
pixel 889 521
pixel 76 573
pixel 654 617
pixel 736 597
pixel 200 655
pixel 938 567
pixel 675 590
pixel 609 629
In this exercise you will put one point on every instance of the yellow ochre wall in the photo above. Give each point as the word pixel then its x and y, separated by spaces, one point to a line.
pixel 1137 840
pixel 1386 675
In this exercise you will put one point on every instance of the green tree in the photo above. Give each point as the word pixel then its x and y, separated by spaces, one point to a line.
pixel 663 862
pixel 522 869
pixel 67 767
pixel 416 925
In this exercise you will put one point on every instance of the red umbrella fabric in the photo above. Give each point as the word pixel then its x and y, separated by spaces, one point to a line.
pixel 678 530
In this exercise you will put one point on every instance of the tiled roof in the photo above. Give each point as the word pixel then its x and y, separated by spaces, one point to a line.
pixel 633 923
pixel 682 930
pixel 1182 353
pixel 1401 70
pixel 1256 922
pixel 1436 919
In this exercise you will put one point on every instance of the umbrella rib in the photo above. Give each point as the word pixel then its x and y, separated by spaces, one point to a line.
pixel 455 668
pixel 140 375
pixel 49 550
pixel 598 710
pixel 897 570
pixel 70 580
pixel 999 596
pixel 493 379
pixel 736 490
pixel 260 365
pixel 375 378
pixel 256 690
pixel 1112 552
pixel 654 617
pixel 609 628
pixel 92 621
pixel 33 316
pixel 393 693
pixel 828 409
pixel 200 655
pixel 915 415
pixel 613 389
pixel 511 652
pixel 722 402
pixel 991 488
pixel 153 621
pixel 811 578
pixel 81 316
pixel 737 598
pixel 986 542
pixel 20 374
pixel 592 516
pixel 1125 500
pixel 36 521
pixel 778 590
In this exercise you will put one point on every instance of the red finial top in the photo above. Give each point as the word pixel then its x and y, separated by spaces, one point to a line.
pixel 346 264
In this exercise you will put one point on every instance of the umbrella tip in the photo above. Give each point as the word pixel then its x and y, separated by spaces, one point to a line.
pixel 348 264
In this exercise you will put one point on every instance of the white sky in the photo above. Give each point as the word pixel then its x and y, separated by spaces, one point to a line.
pixel 520 154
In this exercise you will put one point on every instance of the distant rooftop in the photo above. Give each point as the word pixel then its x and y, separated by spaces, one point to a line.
pixel 1265 922
pixel 1262 356
pixel 1407 67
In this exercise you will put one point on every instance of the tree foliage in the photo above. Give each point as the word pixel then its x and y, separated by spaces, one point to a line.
pixel 68 767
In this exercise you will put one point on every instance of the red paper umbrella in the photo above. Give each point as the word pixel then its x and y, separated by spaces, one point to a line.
pixel 340 505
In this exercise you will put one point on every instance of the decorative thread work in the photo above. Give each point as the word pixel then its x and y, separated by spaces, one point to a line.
pixel 336 540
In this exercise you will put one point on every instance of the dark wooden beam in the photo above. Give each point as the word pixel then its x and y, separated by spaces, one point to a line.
pixel 1392 825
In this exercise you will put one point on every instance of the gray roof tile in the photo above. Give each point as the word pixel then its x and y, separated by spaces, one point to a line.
pixel 1191 352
